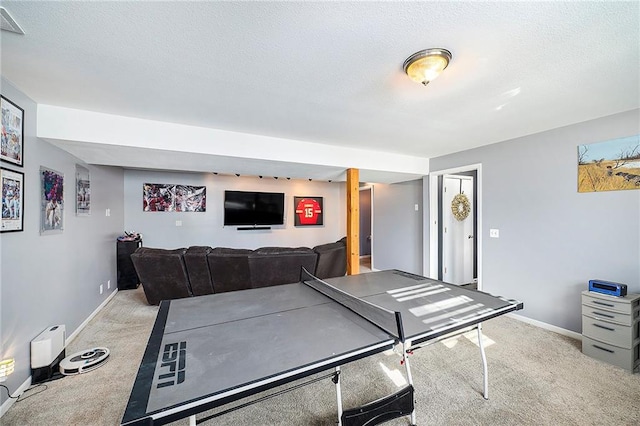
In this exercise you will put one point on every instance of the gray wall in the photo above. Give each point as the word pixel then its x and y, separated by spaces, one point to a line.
pixel 159 228
pixel 552 238
pixel 54 279
pixel 397 226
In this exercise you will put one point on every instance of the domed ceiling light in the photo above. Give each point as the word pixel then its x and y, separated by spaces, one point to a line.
pixel 425 65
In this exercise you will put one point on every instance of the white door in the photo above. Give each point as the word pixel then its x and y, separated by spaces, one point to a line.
pixel 457 229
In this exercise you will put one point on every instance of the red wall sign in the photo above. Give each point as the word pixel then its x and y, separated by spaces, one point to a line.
pixel 308 211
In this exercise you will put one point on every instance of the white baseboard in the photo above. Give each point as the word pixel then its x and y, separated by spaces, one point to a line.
pixel 546 326
pixel 93 314
pixel 10 401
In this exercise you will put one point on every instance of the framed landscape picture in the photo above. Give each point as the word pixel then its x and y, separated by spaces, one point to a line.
pixel 12 200
pixel 51 200
pixel 308 211
pixel 12 137
pixel 609 166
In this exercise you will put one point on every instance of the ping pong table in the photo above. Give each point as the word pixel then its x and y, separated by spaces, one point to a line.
pixel 209 351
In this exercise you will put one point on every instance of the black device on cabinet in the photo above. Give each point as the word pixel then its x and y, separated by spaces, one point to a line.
pixel 245 208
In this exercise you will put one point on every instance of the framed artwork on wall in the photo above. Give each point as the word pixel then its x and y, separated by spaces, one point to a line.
pixel 12 138
pixel 12 200
pixel 308 211
pixel 609 166
pixel 51 200
pixel 83 191
pixel 162 197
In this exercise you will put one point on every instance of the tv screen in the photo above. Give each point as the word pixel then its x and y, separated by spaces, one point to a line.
pixel 253 208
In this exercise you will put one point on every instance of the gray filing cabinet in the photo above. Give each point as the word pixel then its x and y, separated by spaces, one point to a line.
pixel 611 329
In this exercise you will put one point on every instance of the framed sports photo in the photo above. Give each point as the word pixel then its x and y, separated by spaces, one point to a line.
pixel 51 201
pixel 12 137
pixel 12 200
pixel 308 211
pixel 83 191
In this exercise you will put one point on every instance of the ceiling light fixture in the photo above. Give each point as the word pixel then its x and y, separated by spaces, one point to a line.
pixel 425 65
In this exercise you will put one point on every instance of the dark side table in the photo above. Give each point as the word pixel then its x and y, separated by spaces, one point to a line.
pixel 127 277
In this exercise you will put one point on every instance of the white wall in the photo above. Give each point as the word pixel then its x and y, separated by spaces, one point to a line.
pixel 54 279
pixel 553 239
pixel 159 228
pixel 397 226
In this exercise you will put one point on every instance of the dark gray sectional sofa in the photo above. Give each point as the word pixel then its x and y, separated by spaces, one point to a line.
pixel 199 270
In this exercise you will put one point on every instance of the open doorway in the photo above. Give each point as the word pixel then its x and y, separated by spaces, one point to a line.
pixel 366 225
pixel 455 243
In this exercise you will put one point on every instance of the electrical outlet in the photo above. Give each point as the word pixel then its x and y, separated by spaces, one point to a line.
pixel 494 233
pixel 178 223
pixel 107 212
pixel 101 288
pixel 108 284
pixel 416 207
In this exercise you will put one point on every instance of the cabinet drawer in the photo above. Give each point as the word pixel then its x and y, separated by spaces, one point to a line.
pixel 606 315
pixel 610 303
pixel 614 334
pixel 629 359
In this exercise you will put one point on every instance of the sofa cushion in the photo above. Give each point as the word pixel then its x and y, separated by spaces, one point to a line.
pixel 195 259
pixel 229 269
pixel 279 265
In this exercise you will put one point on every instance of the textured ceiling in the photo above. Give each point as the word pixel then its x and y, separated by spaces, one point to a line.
pixel 331 72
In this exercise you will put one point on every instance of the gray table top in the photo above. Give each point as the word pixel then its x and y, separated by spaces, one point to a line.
pixel 240 342
pixel 210 350
pixel 429 308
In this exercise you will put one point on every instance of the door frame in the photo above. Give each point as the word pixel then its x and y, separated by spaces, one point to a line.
pixel 370 188
pixel 433 218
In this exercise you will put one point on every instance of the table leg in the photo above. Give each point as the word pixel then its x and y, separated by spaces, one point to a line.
pixel 192 420
pixel 336 380
pixel 485 371
pixel 405 359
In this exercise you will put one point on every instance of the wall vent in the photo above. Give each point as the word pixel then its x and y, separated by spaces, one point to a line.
pixel 7 23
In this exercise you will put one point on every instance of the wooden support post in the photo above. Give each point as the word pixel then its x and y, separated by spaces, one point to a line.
pixel 353 221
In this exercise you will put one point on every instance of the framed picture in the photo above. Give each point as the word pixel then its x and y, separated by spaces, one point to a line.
pixel 609 166
pixel 12 148
pixel 190 198
pixel 308 211
pixel 52 201
pixel 12 200
pixel 83 191
pixel 162 197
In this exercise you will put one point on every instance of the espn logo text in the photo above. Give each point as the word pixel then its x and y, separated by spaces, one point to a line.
pixel 172 371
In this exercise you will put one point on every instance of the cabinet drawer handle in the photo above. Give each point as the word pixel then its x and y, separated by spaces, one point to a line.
pixel 600 314
pixel 603 349
pixel 602 326
pixel 597 302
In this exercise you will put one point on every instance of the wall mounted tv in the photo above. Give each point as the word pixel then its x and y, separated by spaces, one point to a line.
pixel 242 208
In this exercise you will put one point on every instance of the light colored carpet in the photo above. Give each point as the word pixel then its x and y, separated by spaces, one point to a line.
pixel 536 377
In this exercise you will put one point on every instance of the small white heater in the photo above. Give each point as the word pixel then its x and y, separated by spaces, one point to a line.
pixel 47 350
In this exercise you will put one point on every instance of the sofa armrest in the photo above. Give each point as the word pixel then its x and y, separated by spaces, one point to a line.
pixel 162 273
pixel 332 259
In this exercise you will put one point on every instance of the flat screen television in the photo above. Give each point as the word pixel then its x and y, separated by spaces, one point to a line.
pixel 243 208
